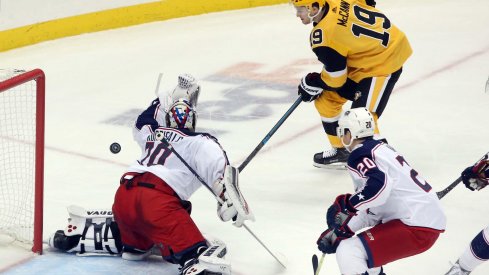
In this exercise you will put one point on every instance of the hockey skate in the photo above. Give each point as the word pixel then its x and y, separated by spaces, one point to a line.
pixel 457 270
pixel 210 262
pixel 334 158
pixel 194 267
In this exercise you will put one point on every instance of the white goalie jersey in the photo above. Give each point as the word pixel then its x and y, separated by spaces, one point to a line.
pixel 200 151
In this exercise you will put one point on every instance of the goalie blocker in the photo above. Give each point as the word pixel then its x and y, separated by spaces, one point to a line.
pixel 234 205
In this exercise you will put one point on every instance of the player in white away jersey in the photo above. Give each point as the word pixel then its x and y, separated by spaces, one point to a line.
pixel 151 206
pixel 403 215
pixel 475 177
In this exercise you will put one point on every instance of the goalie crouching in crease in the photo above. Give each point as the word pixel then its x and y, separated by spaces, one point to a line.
pixel 151 205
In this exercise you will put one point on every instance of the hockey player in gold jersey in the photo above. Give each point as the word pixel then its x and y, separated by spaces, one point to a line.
pixel 362 54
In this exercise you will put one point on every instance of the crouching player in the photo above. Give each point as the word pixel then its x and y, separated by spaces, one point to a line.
pixel 402 213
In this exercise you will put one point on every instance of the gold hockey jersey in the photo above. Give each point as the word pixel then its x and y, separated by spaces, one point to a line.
pixel 356 41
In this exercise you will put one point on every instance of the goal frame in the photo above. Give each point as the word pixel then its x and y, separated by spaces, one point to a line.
pixel 40 78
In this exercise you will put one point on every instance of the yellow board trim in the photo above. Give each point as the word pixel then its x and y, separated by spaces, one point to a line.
pixel 119 17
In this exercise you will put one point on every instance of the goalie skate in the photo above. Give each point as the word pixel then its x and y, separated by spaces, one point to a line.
pixel 210 262
pixel 334 158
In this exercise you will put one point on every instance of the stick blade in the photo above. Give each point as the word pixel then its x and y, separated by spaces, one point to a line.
pixel 315 263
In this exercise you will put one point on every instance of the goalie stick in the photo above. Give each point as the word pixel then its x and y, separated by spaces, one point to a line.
pixel 158 84
pixel 269 135
pixel 449 188
pixel 170 147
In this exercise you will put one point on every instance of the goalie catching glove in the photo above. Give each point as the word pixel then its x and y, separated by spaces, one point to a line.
pixel 477 177
pixel 234 206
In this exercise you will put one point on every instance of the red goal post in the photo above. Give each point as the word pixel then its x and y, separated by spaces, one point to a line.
pixel 22 218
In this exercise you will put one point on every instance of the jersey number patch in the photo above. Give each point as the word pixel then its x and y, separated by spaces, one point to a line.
pixel 414 175
pixel 317 37
pixel 370 18
pixel 155 155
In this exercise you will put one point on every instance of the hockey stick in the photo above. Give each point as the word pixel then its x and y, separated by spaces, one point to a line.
pixel 269 135
pixel 316 267
pixel 158 84
pixel 487 86
pixel 449 188
pixel 252 234
pixel 170 147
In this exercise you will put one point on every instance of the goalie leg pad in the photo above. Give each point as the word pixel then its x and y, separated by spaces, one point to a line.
pixel 89 232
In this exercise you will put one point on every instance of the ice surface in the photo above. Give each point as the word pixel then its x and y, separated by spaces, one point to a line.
pixel 250 63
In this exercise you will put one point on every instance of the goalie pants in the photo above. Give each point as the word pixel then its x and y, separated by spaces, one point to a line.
pixel 371 92
pixel 149 212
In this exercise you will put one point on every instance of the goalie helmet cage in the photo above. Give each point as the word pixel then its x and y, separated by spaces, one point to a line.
pixel 22 97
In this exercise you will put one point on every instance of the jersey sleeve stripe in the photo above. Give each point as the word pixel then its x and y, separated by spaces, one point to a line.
pixel 335 73
pixel 371 192
pixel 355 171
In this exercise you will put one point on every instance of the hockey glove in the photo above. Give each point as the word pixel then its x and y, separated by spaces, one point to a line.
pixel 340 213
pixel 476 177
pixel 310 87
pixel 330 239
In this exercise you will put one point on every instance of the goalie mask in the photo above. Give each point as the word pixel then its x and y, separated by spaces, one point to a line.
pixel 181 115
pixel 358 121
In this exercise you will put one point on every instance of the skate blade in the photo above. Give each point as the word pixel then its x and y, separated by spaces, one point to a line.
pixel 332 166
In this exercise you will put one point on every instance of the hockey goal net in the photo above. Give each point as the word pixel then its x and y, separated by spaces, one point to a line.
pixel 21 157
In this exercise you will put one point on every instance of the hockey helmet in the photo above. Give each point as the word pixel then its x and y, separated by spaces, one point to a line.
pixel 181 115
pixel 358 121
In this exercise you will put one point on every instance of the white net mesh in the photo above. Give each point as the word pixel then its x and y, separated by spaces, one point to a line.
pixel 17 160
